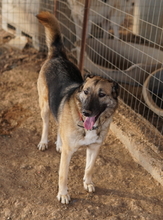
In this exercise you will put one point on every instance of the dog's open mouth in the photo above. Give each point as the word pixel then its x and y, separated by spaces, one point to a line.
pixel 90 121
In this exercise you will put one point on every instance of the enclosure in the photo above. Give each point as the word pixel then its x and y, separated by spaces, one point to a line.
pixel 134 60
pixel 122 42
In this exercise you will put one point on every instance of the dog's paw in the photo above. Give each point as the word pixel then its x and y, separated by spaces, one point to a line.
pixel 42 146
pixel 64 199
pixel 89 187
pixel 58 147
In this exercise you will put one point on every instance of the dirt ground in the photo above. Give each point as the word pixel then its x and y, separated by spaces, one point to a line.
pixel 28 177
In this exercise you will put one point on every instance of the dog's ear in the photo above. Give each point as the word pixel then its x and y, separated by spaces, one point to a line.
pixel 80 88
pixel 88 75
pixel 115 90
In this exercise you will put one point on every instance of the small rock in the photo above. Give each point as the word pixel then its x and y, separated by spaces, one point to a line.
pixel 26 167
pixel 7 213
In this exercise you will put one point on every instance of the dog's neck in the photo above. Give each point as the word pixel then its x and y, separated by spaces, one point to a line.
pixel 81 117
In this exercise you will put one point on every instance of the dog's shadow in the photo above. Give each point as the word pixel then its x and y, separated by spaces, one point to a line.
pixel 125 195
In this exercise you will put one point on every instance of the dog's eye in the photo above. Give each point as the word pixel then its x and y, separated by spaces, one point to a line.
pixel 86 92
pixel 101 94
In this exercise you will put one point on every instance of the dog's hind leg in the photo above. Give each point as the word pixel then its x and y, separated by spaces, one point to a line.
pixel 45 111
pixel 92 152
pixel 43 145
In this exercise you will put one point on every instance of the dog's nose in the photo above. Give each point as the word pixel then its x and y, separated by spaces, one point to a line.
pixel 87 113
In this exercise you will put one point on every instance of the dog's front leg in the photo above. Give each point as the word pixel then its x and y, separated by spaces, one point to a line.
pixel 89 28
pixel 106 26
pixel 78 26
pixel 58 143
pixel 63 195
pixel 92 152
pixel 116 21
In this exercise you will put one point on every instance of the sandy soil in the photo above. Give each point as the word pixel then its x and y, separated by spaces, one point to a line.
pixel 28 177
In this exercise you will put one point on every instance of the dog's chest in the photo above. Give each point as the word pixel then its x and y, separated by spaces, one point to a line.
pixel 90 137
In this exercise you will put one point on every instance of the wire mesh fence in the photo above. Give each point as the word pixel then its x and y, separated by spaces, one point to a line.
pixel 18 17
pixel 124 42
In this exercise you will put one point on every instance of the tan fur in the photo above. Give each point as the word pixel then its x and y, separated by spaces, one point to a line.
pixel 71 136
pixel 44 106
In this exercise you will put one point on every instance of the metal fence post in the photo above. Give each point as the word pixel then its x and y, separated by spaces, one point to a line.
pixel 85 24
pixel 55 8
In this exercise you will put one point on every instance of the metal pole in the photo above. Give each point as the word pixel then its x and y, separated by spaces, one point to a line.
pixel 55 8
pixel 85 24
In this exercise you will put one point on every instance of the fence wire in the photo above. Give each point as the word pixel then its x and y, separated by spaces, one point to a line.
pixel 124 43
pixel 19 17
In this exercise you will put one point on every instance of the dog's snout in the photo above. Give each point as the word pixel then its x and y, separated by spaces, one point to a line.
pixel 87 113
pixel 133 3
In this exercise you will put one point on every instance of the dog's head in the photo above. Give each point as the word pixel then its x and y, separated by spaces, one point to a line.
pixel 96 96
pixel 129 3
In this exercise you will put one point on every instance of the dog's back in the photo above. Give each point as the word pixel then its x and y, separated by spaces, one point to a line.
pixel 60 74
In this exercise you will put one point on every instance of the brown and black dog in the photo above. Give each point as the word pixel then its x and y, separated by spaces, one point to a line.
pixel 82 108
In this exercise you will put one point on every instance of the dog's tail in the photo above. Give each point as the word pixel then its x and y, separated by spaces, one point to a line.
pixel 52 31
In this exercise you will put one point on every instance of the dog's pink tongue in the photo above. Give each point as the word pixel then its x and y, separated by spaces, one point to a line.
pixel 89 122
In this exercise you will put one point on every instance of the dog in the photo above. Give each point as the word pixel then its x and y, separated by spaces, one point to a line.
pixel 108 13
pixel 83 108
